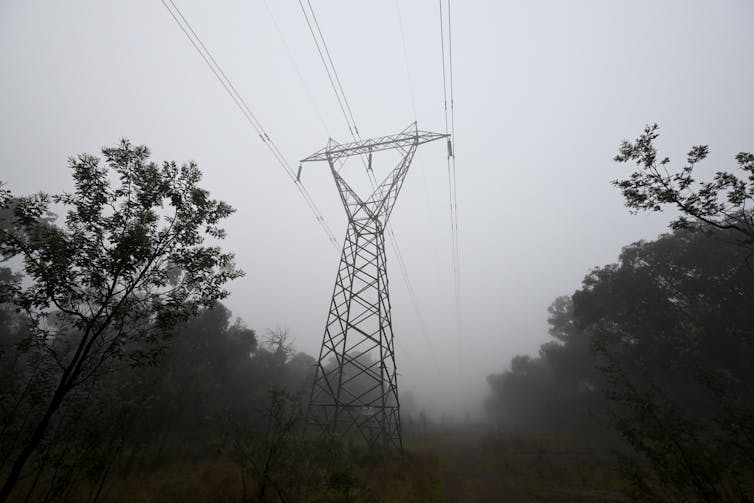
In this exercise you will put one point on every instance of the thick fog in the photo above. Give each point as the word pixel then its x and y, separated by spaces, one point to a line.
pixel 544 93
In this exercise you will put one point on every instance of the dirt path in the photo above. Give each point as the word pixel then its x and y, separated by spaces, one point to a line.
pixel 467 478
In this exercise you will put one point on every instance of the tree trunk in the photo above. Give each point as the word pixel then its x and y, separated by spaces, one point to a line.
pixel 31 445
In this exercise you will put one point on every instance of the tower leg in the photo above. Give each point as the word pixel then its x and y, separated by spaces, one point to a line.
pixel 355 390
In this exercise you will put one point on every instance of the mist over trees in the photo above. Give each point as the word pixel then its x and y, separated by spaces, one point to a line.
pixel 118 358
pixel 657 348
pixel 117 355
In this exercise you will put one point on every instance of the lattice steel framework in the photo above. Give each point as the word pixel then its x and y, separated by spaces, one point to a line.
pixel 355 389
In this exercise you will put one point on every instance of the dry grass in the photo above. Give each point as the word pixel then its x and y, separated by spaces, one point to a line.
pixel 455 464
pixel 417 477
pixel 212 480
pixel 555 469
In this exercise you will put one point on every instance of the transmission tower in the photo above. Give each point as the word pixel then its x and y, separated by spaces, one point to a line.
pixel 355 389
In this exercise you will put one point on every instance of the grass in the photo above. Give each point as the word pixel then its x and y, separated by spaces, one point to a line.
pixel 416 477
pixel 555 468
pixel 198 481
pixel 460 463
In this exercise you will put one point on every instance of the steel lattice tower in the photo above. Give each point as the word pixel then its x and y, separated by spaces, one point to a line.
pixel 355 389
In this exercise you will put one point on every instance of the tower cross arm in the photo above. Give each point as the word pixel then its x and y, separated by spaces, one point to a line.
pixel 403 139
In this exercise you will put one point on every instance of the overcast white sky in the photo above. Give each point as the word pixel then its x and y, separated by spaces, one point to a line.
pixel 544 92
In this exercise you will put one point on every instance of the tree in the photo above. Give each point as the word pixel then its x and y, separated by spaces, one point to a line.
pixel 276 365
pixel 660 345
pixel 104 289
pixel 275 452
pixel 203 378
pixel 671 324
pixel 720 203
pixel 559 390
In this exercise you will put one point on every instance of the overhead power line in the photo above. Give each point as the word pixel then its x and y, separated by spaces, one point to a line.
pixel 218 72
pixel 295 66
pixel 444 79
pixel 335 83
pixel 447 84
pixel 405 58
pixel 332 75
pixel 453 157
pixel 332 65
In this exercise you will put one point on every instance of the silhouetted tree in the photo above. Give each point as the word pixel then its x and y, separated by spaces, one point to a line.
pixel 105 288
pixel 720 203
pixel 660 345
pixel 673 325
pixel 560 390
pixel 202 377
pixel 283 462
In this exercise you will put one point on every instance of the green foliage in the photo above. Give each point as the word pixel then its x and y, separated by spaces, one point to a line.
pixel 104 289
pixel 677 342
pixel 130 258
pixel 720 203
pixel 672 324
pixel 201 377
pixel 210 394
pixel 660 345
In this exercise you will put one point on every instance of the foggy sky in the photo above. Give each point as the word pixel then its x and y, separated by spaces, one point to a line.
pixel 544 92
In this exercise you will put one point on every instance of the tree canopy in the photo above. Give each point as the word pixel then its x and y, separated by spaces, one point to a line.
pixel 657 346
pixel 722 203
pixel 105 287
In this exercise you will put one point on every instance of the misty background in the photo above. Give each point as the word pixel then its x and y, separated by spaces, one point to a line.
pixel 544 92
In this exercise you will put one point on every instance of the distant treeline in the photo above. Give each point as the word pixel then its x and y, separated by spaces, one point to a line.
pixel 211 380
pixel 656 349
